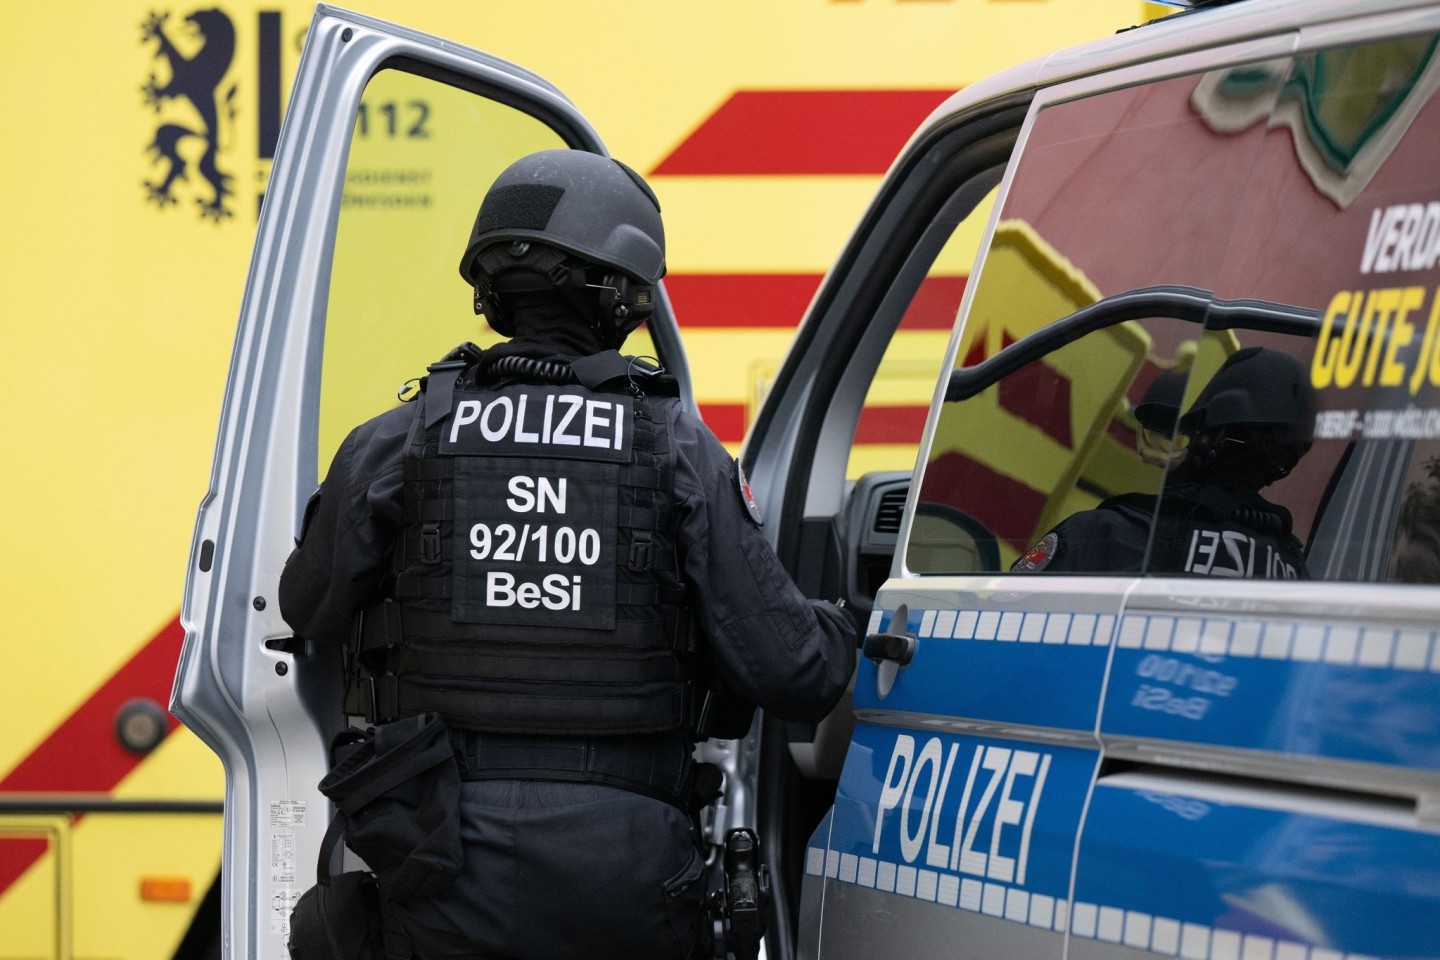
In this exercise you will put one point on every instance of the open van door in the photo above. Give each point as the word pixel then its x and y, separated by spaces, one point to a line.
pixel 391 139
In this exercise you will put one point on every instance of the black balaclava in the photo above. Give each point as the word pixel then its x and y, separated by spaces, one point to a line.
pixel 547 323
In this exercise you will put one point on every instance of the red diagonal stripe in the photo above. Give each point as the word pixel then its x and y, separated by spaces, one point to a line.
pixel 82 755
pixel 887 424
pixel 1040 394
pixel 17 854
pixel 739 299
pixel 1005 508
pixel 780 299
pixel 897 424
pixel 802 132
pixel 935 304
pixel 725 420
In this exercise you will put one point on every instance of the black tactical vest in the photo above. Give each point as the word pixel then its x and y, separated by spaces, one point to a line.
pixel 1202 531
pixel 536 582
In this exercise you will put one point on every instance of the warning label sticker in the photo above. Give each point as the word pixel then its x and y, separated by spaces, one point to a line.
pixel 287 813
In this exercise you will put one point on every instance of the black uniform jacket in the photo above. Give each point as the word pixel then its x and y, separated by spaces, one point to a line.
pixel 768 644
pixel 1196 531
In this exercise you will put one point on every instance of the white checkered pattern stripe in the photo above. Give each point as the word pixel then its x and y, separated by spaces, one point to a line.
pixel 1303 642
pixel 1394 648
pixel 1074 629
pixel 1162 935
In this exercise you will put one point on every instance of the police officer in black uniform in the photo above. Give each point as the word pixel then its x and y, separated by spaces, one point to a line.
pixel 1248 428
pixel 545 549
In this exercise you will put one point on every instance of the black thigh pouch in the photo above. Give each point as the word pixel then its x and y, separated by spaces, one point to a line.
pixel 338 920
pixel 685 904
pixel 398 790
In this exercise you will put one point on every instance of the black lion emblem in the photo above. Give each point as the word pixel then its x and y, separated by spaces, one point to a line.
pixel 195 79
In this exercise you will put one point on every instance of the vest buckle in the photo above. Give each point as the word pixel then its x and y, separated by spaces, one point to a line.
pixel 382 698
pixel 697 705
pixel 430 543
pixel 640 552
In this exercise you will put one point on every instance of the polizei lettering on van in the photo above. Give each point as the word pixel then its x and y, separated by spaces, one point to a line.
pixel 552 422
pixel 964 814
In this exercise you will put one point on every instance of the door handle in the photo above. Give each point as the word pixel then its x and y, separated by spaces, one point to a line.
pixel 897 648
pixel 891 650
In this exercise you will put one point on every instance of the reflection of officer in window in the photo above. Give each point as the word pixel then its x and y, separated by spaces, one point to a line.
pixel 1248 428
pixel 565 564
pixel 1415 555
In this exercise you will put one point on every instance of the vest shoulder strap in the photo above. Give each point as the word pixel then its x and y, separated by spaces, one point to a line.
pixel 439 384
pixel 610 370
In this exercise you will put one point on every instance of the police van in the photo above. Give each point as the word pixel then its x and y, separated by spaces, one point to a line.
pixel 1150 666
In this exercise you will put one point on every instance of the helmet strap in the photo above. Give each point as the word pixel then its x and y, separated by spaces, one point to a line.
pixel 501 258
pixel 614 306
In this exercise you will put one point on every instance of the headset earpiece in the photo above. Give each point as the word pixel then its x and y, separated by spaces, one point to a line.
pixel 641 303
pixel 610 294
pixel 624 303
pixel 487 303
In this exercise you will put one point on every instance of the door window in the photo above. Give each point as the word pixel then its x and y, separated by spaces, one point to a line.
pixel 1095 210
pixel 1242 381
pixel 853 393
pixel 1090 421
pixel 422 155
pixel 892 422
pixel 1317 440
pixel 1343 219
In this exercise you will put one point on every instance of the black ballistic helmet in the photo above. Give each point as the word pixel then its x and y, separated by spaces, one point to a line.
pixel 591 207
pixel 1262 400
pixel 1159 408
pixel 1259 387
pixel 1156 439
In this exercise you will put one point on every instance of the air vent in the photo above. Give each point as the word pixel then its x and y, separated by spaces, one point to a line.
pixel 892 506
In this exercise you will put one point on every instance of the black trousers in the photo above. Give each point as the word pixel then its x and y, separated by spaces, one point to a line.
pixel 565 870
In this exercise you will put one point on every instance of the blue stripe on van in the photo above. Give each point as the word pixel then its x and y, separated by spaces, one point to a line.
pixel 1157 867
pixel 1162 871
pixel 1040 669
pixel 1342 691
pixel 1333 691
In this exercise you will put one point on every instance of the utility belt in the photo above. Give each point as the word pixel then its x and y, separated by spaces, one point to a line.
pixel 659 766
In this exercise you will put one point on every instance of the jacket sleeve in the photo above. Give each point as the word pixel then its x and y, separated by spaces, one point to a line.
pixel 349 532
pixel 767 641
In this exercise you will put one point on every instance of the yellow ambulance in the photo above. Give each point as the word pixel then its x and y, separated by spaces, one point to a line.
pixel 1147 672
